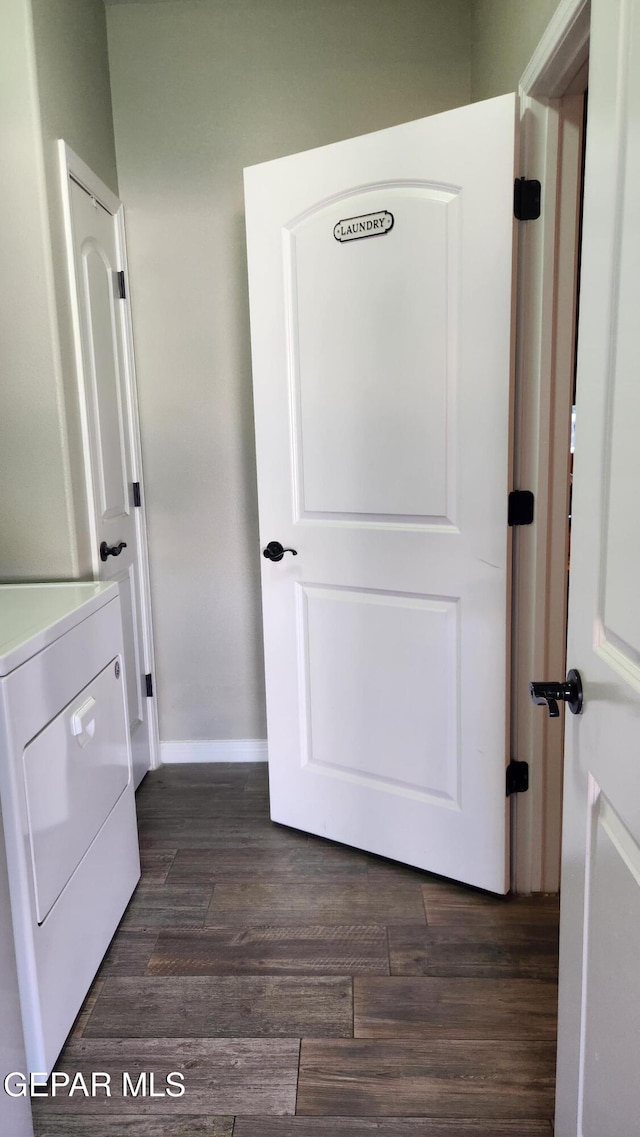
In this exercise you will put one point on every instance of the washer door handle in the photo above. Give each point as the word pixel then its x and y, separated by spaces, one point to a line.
pixel 83 722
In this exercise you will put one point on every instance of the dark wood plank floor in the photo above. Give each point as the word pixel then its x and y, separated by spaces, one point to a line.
pixel 308 990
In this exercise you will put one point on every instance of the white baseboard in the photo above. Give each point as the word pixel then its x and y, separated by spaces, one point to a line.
pixel 214 750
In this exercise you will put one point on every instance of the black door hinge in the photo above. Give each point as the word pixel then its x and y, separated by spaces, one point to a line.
pixel 122 290
pixel 521 507
pixel 527 193
pixel 149 683
pixel 137 500
pixel 517 777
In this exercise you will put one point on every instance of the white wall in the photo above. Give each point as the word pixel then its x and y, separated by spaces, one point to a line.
pixel 504 36
pixel 36 525
pixel 72 63
pixel 202 88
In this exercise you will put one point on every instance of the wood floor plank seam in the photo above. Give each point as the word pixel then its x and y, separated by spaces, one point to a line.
pixel 353 1007
pixel 295 1108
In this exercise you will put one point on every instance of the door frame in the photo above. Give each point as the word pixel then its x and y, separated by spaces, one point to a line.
pixel 550 150
pixel 72 166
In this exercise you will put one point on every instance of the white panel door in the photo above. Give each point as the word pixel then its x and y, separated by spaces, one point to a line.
pixel 380 274
pixel 109 428
pixel 599 1021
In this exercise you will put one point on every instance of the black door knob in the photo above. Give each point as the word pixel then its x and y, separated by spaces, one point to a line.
pixel 111 550
pixel 550 694
pixel 275 552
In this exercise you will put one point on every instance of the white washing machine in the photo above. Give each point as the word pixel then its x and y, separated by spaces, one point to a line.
pixel 67 796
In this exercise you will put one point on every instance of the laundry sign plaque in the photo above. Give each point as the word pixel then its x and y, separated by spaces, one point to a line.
pixel 367 225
